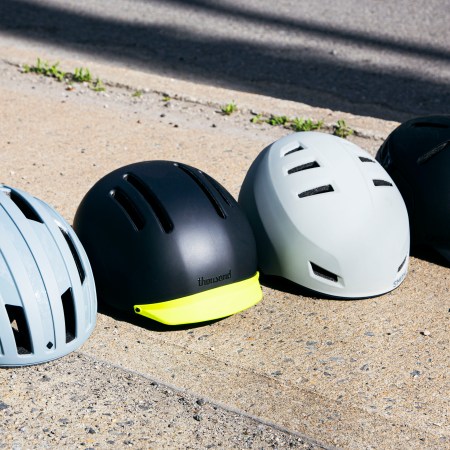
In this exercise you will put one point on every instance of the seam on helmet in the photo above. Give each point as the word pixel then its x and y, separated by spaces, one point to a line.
pixel 433 152
pixel 316 191
pixel 306 166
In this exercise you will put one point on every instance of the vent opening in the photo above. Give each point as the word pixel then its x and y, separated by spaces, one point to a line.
pixel 364 159
pixel 381 183
pixel 427 156
pixel 20 329
pixel 316 191
pixel 296 149
pixel 152 200
pixel 228 199
pixel 26 209
pixel 69 315
pixel 129 208
pixel 429 125
pixel 323 273
pixel 75 255
pixel 196 177
pixel 306 166
pixel 400 267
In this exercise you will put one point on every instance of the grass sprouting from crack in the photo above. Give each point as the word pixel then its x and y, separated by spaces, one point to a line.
pixel 229 108
pixel 79 75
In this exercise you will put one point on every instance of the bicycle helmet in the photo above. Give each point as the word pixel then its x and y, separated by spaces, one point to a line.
pixel 326 216
pixel 417 156
pixel 48 303
pixel 168 242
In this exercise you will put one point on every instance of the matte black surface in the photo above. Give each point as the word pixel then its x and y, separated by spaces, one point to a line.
pixel 191 234
pixel 417 156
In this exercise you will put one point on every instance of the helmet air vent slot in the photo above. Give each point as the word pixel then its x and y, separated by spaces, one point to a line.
pixel 434 151
pixel 306 166
pixel 323 273
pixel 429 125
pixel 400 267
pixel 75 254
pixel 20 329
pixel 381 183
pixel 365 159
pixel 228 199
pixel 69 315
pixel 152 200
pixel 129 208
pixel 25 207
pixel 196 177
pixel 316 191
pixel 296 149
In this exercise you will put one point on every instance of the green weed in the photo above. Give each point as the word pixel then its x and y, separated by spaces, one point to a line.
pixel 301 124
pixel 277 120
pixel 342 130
pixel 45 69
pixel 138 93
pixel 229 108
pixel 81 75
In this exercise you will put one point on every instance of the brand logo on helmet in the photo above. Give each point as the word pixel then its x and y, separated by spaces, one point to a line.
pixel 399 279
pixel 205 281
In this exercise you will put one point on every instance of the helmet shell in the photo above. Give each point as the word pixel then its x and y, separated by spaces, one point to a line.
pixel 417 156
pixel 326 216
pixel 48 301
pixel 160 231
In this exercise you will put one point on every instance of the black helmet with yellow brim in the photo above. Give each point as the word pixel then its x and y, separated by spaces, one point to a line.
pixel 167 241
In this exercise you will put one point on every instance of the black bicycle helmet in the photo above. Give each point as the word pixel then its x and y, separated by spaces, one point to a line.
pixel 167 241
pixel 417 156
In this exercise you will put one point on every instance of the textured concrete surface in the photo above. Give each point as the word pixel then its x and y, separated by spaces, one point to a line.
pixel 292 371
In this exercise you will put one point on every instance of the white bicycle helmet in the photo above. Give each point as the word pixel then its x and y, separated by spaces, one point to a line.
pixel 327 216
pixel 48 302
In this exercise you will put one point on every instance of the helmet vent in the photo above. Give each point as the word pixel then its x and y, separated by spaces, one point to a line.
pixel 69 315
pixel 427 156
pixel 20 329
pixel 129 208
pixel 296 149
pixel 323 273
pixel 306 166
pixel 364 159
pixel 429 125
pixel 27 210
pixel 228 199
pixel 196 177
pixel 381 183
pixel 400 267
pixel 152 200
pixel 75 254
pixel 316 191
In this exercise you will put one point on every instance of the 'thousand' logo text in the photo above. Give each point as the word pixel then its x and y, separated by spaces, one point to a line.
pixel 205 281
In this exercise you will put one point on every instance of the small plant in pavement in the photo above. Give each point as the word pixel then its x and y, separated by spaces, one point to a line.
pixel 342 130
pixel 277 120
pixel 229 108
pixel 138 93
pixel 45 69
pixel 81 75
pixel 300 124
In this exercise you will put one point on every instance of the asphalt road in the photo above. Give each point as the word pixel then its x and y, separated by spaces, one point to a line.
pixel 384 59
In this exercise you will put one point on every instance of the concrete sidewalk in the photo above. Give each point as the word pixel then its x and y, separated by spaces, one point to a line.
pixel 292 371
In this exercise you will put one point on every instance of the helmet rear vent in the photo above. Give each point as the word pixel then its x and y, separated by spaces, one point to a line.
pixel 152 200
pixel 306 166
pixel 365 159
pixel 129 208
pixel 69 315
pixel 75 254
pixel 228 199
pixel 20 329
pixel 196 177
pixel 316 191
pixel 381 183
pixel 323 273
pixel 429 125
pixel 400 267
pixel 296 149
pixel 26 209
pixel 433 152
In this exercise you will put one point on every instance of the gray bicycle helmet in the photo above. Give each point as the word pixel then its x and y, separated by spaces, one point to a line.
pixel 48 301
pixel 326 216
